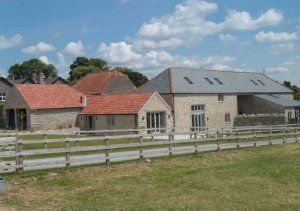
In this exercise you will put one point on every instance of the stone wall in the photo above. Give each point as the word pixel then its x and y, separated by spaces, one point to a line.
pixel 259 120
pixel 51 119
pixel 214 110
pixel 5 87
pixel 100 122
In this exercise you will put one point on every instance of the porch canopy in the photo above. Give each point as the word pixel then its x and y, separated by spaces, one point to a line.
pixel 279 100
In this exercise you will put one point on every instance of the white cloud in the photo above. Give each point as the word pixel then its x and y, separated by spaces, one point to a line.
pixel 282 47
pixel 11 41
pixel 227 37
pixel 41 47
pixel 276 70
pixel 189 24
pixel 62 65
pixel 244 21
pixel 120 52
pixel 75 49
pixel 275 37
pixel 44 59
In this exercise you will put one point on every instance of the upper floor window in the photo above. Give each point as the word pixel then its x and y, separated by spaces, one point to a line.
pixel 221 97
pixel 2 97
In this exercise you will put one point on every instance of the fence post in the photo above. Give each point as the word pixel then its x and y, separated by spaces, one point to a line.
pixel 296 135
pixel 141 148
pixel 106 142
pixel 77 141
pixel 19 158
pixel 196 143
pixel 237 139
pixel 170 145
pixel 283 138
pixel 45 141
pixel 67 150
pixel 255 137
pixel 270 136
pixel 218 140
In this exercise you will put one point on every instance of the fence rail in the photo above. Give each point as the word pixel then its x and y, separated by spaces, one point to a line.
pixel 17 155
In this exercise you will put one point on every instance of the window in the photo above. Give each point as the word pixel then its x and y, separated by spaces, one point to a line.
pixel 110 120
pixel 198 107
pixel 289 115
pixel 208 80
pixel 188 80
pixel 296 114
pixel 221 97
pixel 2 97
pixel 253 82
pixel 262 83
pixel 272 95
pixel 218 80
pixel 227 118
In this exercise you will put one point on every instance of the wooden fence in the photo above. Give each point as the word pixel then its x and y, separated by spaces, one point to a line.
pixel 17 155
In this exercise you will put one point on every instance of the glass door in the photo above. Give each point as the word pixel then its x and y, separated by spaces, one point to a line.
pixel 155 122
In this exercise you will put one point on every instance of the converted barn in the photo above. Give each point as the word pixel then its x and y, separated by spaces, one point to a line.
pixel 42 107
pixel 127 111
pixel 212 99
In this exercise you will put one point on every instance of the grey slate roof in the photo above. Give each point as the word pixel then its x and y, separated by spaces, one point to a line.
pixel 172 81
pixel 279 100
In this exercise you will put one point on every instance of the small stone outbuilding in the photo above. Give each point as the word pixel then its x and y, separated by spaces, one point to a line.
pixel 43 107
pixel 127 111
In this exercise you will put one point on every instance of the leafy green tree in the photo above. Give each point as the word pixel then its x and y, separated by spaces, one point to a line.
pixel 80 71
pixel 82 66
pixel 27 68
pixel 287 84
pixel 137 78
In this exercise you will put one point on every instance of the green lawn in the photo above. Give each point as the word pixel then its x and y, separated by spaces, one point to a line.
pixel 264 178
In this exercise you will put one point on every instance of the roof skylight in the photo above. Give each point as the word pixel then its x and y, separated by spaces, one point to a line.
pixel 208 80
pixel 254 82
pixel 218 80
pixel 262 83
pixel 188 80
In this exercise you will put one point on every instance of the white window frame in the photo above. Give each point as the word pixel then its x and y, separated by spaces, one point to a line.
pixel 227 118
pixel 220 98
pixel 289 115
pixel 2 97
pixel 296 114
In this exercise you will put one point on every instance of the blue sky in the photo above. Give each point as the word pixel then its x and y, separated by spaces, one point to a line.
pixel 151 35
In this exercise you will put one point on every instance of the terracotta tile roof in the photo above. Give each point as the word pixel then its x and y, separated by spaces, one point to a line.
pixel 50 96
pixel 116 104
pixel 95 83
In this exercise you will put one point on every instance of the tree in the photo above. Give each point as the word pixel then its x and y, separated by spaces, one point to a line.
pixel 295 89
pixel 82 66
pixel 137 78
pixel 27 68
pixel 287 84
pixel 81 71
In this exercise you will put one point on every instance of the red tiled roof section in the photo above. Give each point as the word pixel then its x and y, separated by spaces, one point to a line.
pixel 116 104
pixel 50 96
pixel 95 83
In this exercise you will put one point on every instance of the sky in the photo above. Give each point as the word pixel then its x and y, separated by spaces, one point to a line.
pixel 152 35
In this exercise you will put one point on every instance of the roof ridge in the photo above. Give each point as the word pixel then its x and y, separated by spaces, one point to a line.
pixel 233 71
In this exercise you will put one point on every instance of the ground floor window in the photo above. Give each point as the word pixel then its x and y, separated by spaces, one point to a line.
pixel 156 122
pixel 89 123
pixel 110 120
pixel 198 117
pixel 289 115
pixel 297 114
pixel 227 118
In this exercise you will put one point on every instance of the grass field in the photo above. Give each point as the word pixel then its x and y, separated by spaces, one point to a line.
pixel 265 178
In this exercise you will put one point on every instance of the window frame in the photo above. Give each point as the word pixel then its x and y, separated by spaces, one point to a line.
pixel 227 118
pixel 220 98
pixel 110 120
pixel 2 96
